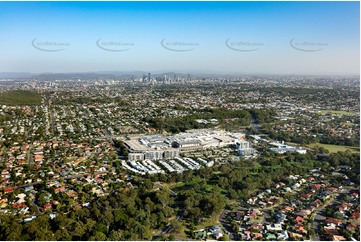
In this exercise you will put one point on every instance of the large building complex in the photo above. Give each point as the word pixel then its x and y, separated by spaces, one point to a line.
pixel 156 147
pixel 244 149
pixel 282 148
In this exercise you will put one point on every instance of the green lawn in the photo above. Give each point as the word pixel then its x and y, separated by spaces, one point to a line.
pixel 181 234
pixel 182 184
pixel 217 172
pixel 336 112
pixel 179 184
pixel 213 220
pixel 336 148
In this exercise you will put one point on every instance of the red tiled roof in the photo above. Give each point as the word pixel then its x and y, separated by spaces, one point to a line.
pixel 19 205
pixel 7 190
pixel 253 214
pixel 47 206
pixel 355 215
pixel 330 231
pixel 306 195
pixel 317 186
pixel 299 219
pixel 333 220
pixel 256 235
pixel 294 235
pixel 289 208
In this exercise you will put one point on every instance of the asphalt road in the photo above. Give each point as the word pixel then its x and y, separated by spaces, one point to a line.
pixel 37 211
pixel 31 156
pixel 320 212
pixel 166 229
pixel 227 226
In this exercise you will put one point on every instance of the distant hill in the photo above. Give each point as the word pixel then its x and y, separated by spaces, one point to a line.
pixel 100 75
pixel 20 75
pixel 93 75
pixel 20 98
pixel 72 76
pixel 106 75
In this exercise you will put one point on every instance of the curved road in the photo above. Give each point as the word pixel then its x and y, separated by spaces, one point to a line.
pixel 320 211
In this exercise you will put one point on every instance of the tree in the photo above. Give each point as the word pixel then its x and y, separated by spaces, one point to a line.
pixel 163 196
pixel 116 235
pixel 79 229
pixel 235 227
pixel 89 224
pixel 191 201
pixel 107 217
pixel 176 226
pixel 149 205
pixel 12 231
pixel 148 184
pixel 62 234
pixel 120 218
pixel 232 193
pixel 98 236
pixel 101 228
pixel 39 229
pixel 223 182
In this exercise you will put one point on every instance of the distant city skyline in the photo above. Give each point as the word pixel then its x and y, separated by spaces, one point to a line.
pixel 302 38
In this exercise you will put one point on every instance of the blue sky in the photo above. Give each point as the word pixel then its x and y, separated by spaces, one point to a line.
pixel 325 37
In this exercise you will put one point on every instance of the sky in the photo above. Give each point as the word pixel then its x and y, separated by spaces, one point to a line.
pixel 320 38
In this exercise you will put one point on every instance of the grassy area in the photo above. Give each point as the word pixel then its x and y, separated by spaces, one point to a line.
pixel 20 98
pixel 181 234
pixel 336 148
pixel 335 112
pixel 177 187
pixel 217 172
pixel 170 185
pixel 181 184
pixel 213 220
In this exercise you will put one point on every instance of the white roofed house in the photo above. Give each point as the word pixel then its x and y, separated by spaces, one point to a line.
pixel 215 231
pixel 274 227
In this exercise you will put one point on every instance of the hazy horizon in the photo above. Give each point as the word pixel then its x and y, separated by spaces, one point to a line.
pixel 272 38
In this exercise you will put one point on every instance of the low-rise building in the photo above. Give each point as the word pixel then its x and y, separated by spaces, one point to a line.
pixel 283 148
pixel 156 147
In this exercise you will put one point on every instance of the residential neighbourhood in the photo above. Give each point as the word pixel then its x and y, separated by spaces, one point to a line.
pixel 285 213
pixel 81 144
pixel 180 121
